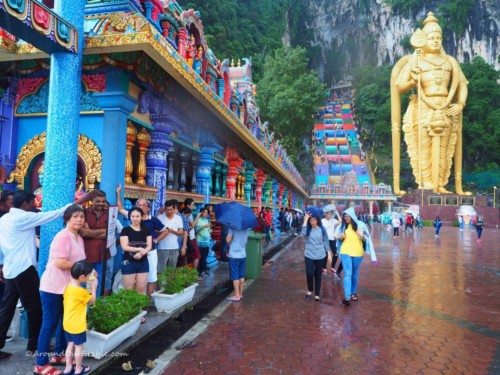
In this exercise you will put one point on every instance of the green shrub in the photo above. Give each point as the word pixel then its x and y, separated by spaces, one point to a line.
pixel 455 224
pixel 174 280
pixel 110 312
pixel 427 223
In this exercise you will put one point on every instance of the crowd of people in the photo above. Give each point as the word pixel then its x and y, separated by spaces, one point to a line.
pixel 55 303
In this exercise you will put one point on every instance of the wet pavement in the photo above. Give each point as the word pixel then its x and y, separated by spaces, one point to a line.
pixel 431 306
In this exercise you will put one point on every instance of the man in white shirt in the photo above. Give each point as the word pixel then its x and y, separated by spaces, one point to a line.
pixel 18 256
pixel 330 224
pixel 168 248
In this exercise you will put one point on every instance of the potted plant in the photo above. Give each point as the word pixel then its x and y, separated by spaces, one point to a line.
pixel 178 287
pixel 112 320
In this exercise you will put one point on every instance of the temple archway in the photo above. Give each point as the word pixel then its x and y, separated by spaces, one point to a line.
pixel 30 158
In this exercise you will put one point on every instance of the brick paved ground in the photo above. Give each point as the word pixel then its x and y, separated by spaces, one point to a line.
pixel 431 306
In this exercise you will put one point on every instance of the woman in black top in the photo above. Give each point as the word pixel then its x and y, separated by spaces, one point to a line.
pixel 136 242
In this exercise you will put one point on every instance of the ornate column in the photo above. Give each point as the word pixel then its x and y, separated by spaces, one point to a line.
pixel 165 26
pixel 63 117
pixel 276 187
pixel 181 46
pixel 268 188
pixel 172 157
pixel 285 201
pixel 370 203
pixel 204 169
pixel 389 206
pixel 183 156
pixel 8 132
pixel 156 158
pixel 235 162
pixel 195 159
pixel 129 165
pixel 223 180
pixel 249 179
pixel 144 140
pixel 217 172
pixel 261 177
pixel 220 88
pixel 281 190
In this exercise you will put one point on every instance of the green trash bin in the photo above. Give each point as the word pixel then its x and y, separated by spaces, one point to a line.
pixel 254 255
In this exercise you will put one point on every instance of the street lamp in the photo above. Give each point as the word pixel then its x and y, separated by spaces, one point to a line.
pixel 494 195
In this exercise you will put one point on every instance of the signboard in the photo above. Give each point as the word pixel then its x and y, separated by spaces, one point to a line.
pixel 435 200
pixel 112 219
pixel 451 201
pixel 469 201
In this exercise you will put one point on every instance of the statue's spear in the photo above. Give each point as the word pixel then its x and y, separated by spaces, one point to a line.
pixel 418 40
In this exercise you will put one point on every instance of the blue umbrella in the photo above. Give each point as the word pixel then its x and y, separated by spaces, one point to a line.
pixel 235 215
pixel 315 211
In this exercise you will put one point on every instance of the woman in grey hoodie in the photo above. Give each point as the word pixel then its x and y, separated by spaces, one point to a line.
pixel 317 245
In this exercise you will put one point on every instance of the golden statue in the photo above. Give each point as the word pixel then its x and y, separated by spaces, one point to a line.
pixel 432 123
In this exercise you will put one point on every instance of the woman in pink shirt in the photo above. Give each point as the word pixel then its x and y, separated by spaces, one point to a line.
pixel 66 249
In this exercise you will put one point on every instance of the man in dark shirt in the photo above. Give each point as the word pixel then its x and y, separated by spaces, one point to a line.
pixel 6 201
pixel 94 235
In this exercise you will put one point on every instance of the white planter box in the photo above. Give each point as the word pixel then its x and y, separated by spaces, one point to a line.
pixel 171 302
pixel 99 344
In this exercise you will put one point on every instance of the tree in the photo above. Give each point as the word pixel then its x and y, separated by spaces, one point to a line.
pixel 288 95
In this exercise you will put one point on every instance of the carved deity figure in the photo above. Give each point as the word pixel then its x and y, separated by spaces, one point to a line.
pixel 432 123
pixel 39 190
pixel 198 60
pixel 190 50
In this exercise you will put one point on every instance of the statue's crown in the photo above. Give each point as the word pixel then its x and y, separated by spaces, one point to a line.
pixel 431 24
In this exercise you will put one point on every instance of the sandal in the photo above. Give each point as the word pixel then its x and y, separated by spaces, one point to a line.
pixel 48 369
pixel 149 366
pixel 354 297
pixel 346 302
pixel 85 370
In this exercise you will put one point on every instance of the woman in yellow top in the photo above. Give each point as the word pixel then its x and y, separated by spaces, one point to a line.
pixel 351 253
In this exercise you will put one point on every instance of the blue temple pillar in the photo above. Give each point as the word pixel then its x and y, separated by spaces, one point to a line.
pixel 276 186
pixel 203 174
pixel 156 158
pixel 220 86
pixel 62 125
pixel 117 105
pixel 8 129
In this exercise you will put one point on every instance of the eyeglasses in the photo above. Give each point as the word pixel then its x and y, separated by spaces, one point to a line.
pixel 141 205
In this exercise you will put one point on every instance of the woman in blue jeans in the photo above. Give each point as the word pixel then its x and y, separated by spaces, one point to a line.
pixel 351 234
pixel 317 246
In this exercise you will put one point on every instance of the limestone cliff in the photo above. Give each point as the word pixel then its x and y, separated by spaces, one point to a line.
pixel 341 34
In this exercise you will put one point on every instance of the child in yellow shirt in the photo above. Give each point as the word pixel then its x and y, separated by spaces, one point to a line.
pixel 75 303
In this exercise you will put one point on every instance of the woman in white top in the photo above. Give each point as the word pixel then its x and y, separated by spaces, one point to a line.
pixel 330 224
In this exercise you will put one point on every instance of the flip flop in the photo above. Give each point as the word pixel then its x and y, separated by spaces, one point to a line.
pixel 232 299
pixel 186 345
pixel 85 370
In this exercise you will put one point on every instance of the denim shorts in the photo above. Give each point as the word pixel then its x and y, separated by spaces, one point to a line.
pixel 237 268
pixel 77 339
pixel 130 268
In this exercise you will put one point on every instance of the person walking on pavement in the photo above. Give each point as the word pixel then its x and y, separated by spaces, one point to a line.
pixel 18 249
pixel 317 246
pixel 203 238
pixel 479 228
pixel 237 240
pixel 352 234
pixel 330 224
pixel 395 227
pixel 437 225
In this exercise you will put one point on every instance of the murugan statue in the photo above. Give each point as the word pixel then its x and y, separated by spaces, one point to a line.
pixel 432 123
